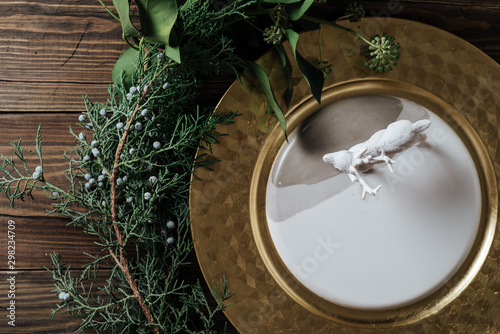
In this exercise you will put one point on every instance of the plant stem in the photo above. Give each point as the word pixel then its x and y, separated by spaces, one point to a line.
pixel 338 26
pixel 109 11
pixel 319 46
pixel 122 260
pixel 128 42
pixel 253 25
pixel 345 17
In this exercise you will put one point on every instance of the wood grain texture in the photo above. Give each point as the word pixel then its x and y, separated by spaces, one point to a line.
pixel 54 51
pixel 34 302
pixel 56 140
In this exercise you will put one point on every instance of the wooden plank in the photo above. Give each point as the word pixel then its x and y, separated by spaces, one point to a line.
pixel 53 52
pixel 36 238
pixel 33 302
pixel 74 42
pixel 56 140
pixel 51 97
pixel 37 235
pixel 72 49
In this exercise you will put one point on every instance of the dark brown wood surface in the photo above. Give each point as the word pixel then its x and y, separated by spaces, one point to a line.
pixel 54 51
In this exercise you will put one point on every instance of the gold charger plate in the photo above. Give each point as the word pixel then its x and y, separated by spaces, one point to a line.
pixel 437 70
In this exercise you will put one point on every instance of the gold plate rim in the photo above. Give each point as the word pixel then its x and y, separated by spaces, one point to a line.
pixel 434 61
pixel 414 311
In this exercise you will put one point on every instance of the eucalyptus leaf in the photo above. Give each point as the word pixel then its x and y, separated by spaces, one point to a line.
pixel 293 38
pixel 123 9
pixel 265 84
pixel 157 21
pixel 287 73
pixel 124 68
pixel 314 76
pixel 296 11
pixel 173 49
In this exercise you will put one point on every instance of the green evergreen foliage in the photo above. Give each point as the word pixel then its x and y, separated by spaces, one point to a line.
pixel 134 178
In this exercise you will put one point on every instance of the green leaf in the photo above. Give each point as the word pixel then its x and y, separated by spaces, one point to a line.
pixel 157 21
pixel 173 50
pixel 123 9
pixel 314 77
pixel 287 73
pixel 296 11
pixel 124 69
pixel 265 84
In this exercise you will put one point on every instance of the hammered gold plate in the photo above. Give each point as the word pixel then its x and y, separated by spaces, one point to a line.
pixel 437 70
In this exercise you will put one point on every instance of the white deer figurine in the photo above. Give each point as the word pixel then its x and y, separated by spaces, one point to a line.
pixel 381 147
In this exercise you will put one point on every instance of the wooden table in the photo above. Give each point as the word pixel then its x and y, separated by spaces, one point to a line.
pixel 54 51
